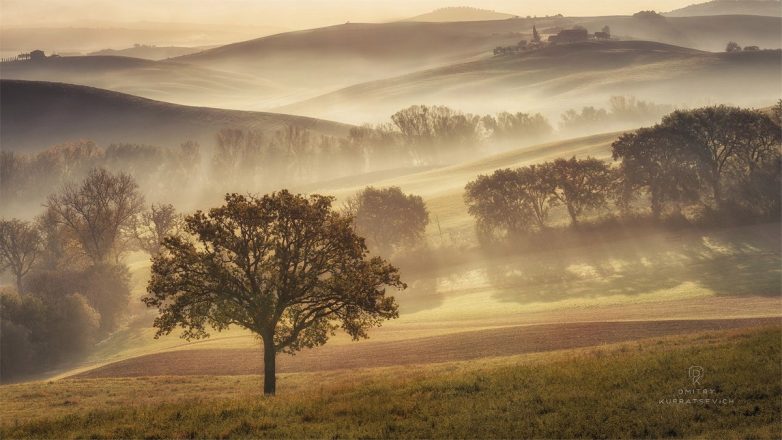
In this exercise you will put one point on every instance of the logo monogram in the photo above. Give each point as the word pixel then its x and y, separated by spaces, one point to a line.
pixel 696 374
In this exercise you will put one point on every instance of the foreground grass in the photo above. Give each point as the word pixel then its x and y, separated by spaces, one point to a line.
pixel 607 392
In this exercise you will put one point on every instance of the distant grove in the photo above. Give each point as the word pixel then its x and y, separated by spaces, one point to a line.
pixel 415 136
pixel 719 162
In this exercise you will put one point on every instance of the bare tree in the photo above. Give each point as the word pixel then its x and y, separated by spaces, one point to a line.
pixel 98 212
pixel 151 227
pixel 20 245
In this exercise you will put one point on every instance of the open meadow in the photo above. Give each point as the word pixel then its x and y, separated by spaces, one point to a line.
pixel 634 389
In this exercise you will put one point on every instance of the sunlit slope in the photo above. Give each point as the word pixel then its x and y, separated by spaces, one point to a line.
pixel 150 52
pixel 36 115
pixel 566 76
pixel 161 80
pixel 311 62
pixel 463 13
pixel 489 398
pixel 633 275
pixel 705 32
pixel 771 8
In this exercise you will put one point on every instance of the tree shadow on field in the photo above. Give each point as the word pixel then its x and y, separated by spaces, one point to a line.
pixel 736 261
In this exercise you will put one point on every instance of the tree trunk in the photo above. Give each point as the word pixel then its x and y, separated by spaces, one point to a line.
pixel 718 194
pixel 717 188
pixel 269 366
pixel 656 205
pixel 573 216
pixel 19 283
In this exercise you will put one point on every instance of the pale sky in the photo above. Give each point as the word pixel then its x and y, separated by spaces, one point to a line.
pixel 292 14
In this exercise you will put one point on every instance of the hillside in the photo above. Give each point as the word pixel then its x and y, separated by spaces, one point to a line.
pixel 459 346
pixel 353 53
pixel 566 76
pixel 161 80
pixel 556 395
pixel 35 115
pixel 772 8
pixel 89 37
pixel 155 53
pixel 709 33
pixel 281 69
pixel 461 13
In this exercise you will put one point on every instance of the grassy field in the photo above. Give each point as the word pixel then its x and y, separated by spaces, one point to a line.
pixel 621 390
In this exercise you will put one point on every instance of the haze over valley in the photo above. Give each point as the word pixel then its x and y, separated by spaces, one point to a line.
pixel 499 220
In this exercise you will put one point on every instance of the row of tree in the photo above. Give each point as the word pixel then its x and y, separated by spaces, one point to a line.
pixel 243 159
pixel 510 202
pixel 723 158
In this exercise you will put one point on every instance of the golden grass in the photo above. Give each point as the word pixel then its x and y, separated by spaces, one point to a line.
pixel 608 391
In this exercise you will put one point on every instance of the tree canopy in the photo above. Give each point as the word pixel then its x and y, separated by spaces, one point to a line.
pixel 98 212
pixel 20 245
pixel 388 218
pixel 287 267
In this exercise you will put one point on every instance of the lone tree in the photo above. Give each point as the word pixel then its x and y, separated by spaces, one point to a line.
pixel 388 218
pixel 20 245
pixel 535 34
pixel 732 47
pixel 287 267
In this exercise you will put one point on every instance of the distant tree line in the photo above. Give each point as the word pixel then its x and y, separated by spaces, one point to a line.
pixel 253 159
pixel 622 112
pixel 722 161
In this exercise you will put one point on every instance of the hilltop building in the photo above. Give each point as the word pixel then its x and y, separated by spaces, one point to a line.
pixel 569 36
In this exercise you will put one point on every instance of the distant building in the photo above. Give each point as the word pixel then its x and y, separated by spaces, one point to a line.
pixel 37 55
pixel 570 36
pixel 751 48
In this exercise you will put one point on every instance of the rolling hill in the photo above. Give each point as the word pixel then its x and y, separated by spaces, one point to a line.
pixel 461 13
pixel 565 76
pixel 35 115
pixel 282 69
pixel 149 52
pixel 161 80
pixel 772 8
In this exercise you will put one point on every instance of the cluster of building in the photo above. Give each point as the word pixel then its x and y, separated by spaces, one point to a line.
pixel 35 55
pixel 575 35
